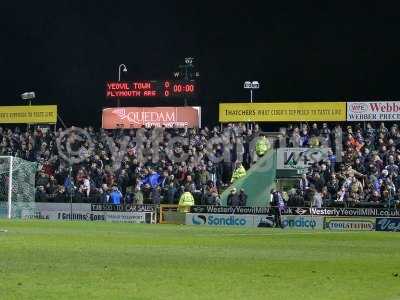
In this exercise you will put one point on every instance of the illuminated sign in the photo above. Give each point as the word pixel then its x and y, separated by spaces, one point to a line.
pixel 153 88
pixel 136 117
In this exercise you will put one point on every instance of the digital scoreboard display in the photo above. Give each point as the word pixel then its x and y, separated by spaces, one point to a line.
pixel 152 88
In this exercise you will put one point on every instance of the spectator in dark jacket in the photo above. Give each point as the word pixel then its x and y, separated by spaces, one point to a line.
pixel 171 194
pixel 41 195
pixel 242 198
pixel 277 206
pixel 333 186
pixel 233 198
pixel 155 195
pixel 318 182
pixel 213 199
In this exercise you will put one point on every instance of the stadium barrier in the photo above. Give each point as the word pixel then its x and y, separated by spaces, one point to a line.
pixel 304 218
pixel 94 212
pixel 299 211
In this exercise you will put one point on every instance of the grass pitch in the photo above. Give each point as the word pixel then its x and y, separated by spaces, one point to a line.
pixel 76 260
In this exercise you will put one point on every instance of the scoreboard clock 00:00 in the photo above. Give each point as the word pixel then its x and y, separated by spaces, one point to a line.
pixel 152 88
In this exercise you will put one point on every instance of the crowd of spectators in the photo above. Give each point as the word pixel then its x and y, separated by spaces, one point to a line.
pixel 113 167
pixel 365 174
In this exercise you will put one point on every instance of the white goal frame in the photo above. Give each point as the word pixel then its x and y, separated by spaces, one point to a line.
pixel 10 160
pixel 10 182
pixel 19 198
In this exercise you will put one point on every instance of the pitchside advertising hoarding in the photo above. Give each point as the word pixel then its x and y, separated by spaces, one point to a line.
pixel 137 117
pixel 373 111
pixel 282 112
pixel 349 224
pixel 299 211
pixel 32 114
pixel 302 222
pixel 299 159
pixel 342 212
pixel 234 220
pixel 88 212
pixel 388 224
pixel 240 210
pixel 247 220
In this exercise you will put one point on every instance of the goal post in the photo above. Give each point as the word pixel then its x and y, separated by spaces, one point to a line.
pixel 10 181
pixel 17 187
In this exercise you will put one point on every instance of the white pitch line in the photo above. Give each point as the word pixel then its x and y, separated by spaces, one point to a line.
pixel 261 234
pixel 276 233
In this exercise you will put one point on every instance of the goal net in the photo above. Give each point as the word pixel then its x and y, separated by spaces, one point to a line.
pixel 17 187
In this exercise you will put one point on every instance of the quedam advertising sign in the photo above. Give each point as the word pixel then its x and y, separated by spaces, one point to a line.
pixel 137 117
pixel 373 111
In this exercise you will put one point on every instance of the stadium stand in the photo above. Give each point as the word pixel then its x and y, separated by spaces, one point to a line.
pixel 367 175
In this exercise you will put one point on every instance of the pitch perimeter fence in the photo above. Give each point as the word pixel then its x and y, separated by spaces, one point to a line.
pixel 303 218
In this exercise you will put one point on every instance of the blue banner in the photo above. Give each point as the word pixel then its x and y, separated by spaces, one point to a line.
pixel 387 224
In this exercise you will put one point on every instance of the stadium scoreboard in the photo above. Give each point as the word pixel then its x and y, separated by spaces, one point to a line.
pixel 151 88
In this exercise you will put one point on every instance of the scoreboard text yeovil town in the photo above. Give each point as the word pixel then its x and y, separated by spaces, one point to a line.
pixel 153 88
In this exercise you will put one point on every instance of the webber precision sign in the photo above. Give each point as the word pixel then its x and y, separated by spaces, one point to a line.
pixel 137 117
pixel 373 111
pixel 299 158
pixel 32 114
pixel 356 224
pixel 282 112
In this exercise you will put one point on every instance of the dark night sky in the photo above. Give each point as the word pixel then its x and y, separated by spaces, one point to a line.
pixel 67 50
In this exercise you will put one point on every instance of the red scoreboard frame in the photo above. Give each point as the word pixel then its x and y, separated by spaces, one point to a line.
pixel 151 88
